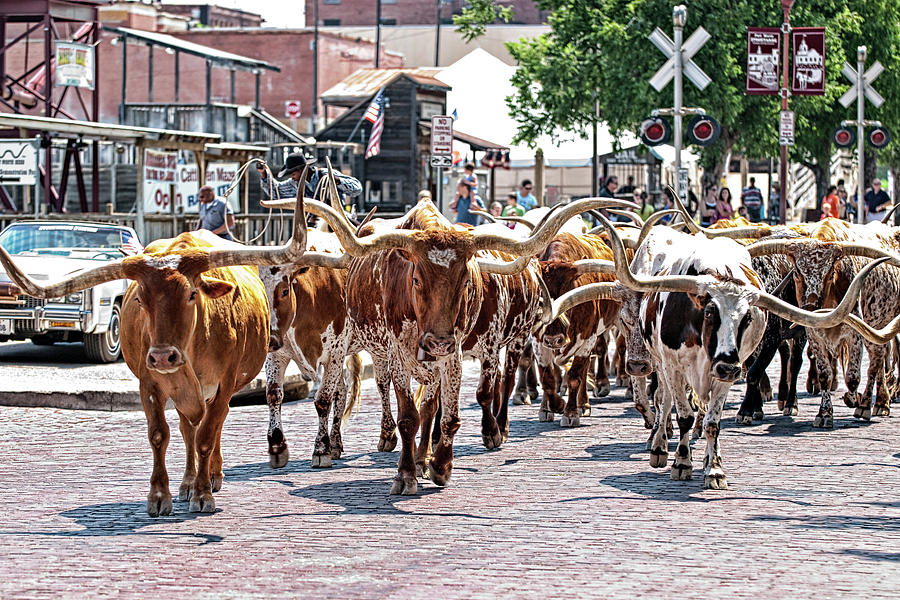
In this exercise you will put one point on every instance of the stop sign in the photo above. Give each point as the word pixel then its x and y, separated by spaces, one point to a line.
pixel 291 109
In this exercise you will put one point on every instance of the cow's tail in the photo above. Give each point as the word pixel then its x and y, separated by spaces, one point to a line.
pixel 354 368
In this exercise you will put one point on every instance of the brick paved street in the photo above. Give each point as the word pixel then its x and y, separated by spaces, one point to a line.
pixel 554 513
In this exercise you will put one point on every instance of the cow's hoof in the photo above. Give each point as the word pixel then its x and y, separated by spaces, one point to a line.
pixel 658 458
pixel 336 452
pixel 545 416
pixel 681 472
pixel 790 411
pixel 492 441
pixel 780 404
pixel 387 445
pixel 586 410
pixel 185 490
pixel 603 390
pixel 159 504
pixel 824 422
pixel 215 482
pixel 851 399
pixel 567 421
pixel 758 415
pixel 743 419
pixel 403 486
pixel 532 395
pixel 203 503
pixel 278 460
pixel 439 476
pixel 882 410
pixel 520 399
pixel 863 412
pixel 715 481
pixel 321 461
pixel 421 470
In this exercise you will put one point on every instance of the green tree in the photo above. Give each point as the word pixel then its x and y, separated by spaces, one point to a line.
pixel 599 48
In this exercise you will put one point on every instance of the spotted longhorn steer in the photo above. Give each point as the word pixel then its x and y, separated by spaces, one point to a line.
pixel 194 330
pixel 700 318
pixel 414 294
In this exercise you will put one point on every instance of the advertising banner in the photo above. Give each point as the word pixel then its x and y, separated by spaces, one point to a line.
pixel 74 65
pixel 809 61
pixel 763 60
pixel 220 175
pixel 159 177
pixel 18 162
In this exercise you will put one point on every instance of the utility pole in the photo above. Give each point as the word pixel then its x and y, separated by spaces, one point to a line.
pixel 437 35
pixel 315 69
pixel 679 18
pixel 860 132
pixel 785 92
pixel 377 33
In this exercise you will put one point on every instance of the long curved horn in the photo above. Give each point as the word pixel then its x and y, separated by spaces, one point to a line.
pixel 784 282
pixel 867 251
pixel 685 215
pixel 595 265
pixel 263 255
pixel 605 290
pixel 651 221
pixel 756 231
pixel 634 217
pixel 366 220
pixel 779 246
pixel 355 246
pixel 887 217
pixel 498 267
pixel 75 283
pixel 818 319
pixel 325 260
pixel 484 215
pixel 666 283
pixel 545 232
pixel 876 336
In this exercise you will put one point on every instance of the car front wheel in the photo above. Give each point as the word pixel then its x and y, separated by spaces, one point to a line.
pixel 105 347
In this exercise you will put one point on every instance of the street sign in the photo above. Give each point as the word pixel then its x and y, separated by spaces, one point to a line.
pixel 763 50
pixel 441 161
pixel 19 162
pixel 683 182
pixel 868 77
pixel 786 129
pixel 291 109
pixel 442 135
pixel 688 50
pixel 808 61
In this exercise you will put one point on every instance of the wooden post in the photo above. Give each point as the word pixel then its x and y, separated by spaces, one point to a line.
pixel 139 196
pixel 539 176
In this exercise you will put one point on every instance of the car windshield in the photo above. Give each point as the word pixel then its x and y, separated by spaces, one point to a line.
pixel 96 242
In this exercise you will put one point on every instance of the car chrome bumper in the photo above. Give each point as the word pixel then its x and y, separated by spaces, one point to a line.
pixel 26 321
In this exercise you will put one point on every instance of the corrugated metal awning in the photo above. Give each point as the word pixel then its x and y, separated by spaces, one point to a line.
pixel 366 82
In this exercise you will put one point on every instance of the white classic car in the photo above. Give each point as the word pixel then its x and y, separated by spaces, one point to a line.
pixel 48 251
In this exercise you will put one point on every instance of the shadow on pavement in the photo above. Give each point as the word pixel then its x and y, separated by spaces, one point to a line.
pixel 875 523
pixel 124 518
pixel 872 554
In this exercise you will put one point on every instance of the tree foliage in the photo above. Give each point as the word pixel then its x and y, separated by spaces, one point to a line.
pixel 472 22
pixel 599 49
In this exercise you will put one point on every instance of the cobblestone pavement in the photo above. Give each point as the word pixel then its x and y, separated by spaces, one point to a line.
pixel 554 513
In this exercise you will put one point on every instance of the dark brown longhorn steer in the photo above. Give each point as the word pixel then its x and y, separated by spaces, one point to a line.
pixel 189 336
pixel 414 294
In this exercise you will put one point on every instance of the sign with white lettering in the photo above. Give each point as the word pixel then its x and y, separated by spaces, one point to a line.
pixel 18 162
pixel 442 135
pixel 220 175
pixel 74 65
pixel 786 130
pixel 158 179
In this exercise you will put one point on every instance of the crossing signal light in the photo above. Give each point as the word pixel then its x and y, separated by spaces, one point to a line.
pixel 843 137
pixel 655 131
pixel 703 130
pixel 879 137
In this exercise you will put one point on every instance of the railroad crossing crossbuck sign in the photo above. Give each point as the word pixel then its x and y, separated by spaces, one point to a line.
pixel 688 50
pixel 868 77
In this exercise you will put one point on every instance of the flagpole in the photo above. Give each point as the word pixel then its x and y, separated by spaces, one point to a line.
pixel 358 123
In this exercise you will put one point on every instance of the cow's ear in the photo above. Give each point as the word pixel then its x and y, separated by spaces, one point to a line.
pixel 698 300
pixel 215 288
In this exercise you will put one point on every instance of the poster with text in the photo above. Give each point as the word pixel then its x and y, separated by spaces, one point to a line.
pixel 763 52
pixel 220 175
pixel 74 65
pixel 160 170
pixel 809 61
pixel 187 187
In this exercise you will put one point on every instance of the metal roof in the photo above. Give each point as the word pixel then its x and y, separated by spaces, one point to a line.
pixel 217 56
pixel 366 82
pixel 107 131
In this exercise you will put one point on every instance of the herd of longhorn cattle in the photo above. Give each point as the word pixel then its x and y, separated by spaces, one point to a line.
pixel 692 311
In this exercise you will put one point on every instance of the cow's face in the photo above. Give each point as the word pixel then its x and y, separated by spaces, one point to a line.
pixel 560 278
pixel 279 283
pixel 731 328
pixel 441 277
pixel 814 273
pixel 638 362
pixel 170 289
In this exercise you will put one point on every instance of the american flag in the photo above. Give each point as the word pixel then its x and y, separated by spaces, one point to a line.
pixel 374 147
pixel 131 245
pixel 375 107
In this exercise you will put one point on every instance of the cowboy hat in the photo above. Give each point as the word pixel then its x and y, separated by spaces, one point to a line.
pixel 295 162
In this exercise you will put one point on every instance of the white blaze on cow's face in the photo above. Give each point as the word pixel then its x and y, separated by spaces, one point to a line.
pixel 814 273
pixel 278 282
pixel 732 328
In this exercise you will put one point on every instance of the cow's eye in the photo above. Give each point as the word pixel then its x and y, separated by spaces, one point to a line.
pixel 193 296
pixel 416 281
pixel 284 293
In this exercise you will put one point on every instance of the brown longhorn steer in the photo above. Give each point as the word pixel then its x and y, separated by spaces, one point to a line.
pixel 194 330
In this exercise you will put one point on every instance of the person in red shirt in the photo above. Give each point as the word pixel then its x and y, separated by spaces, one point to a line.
pixel 831 204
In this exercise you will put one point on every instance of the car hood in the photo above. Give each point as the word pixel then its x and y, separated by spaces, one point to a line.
pixel 47 269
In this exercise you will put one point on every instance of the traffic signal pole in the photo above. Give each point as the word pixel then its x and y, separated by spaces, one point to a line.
pixel 860 133
pixel 679 17
pixel 785 92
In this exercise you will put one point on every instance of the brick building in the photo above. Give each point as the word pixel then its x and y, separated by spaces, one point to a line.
pixel 211 15
pixel 408 12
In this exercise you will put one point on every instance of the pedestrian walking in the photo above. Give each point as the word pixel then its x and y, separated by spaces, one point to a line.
pixel 215 213
pixel 524 197
pixel 877 202
pixel 751 197
pixel 831 204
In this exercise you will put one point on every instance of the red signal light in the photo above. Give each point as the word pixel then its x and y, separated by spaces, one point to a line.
pixel 703 130
pixel 655 131
pixel 879 137
pixel 843 137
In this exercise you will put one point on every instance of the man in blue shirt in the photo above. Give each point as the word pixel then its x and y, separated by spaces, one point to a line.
pixel 524 197
pixel 464 202
pixel 215 214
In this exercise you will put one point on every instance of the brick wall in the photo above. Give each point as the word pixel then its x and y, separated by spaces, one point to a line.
pixel 407 12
